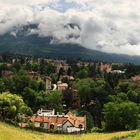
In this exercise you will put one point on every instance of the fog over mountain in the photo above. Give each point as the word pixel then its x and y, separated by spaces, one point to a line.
pixel 111 26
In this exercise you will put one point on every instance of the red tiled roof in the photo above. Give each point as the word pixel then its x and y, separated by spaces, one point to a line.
pixel 62 85
pixel 57 120
pixel 36 118
pixel 136 78
pixel 49 119
pixel 76 121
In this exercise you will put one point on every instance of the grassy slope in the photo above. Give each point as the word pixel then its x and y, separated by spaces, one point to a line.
pixel 8 132
pixel 135 137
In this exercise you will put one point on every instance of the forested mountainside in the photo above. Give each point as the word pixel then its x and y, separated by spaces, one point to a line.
pixel 41 46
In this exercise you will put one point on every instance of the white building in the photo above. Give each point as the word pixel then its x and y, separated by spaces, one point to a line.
pixel 68 123
pixel 42 112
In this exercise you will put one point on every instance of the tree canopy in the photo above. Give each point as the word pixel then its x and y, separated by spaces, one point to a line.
pixel 11 105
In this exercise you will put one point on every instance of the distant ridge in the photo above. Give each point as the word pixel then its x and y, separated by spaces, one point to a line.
pixel 41 46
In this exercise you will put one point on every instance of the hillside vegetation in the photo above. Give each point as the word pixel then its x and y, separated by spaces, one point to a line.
pixel 34 45
pixel 8 132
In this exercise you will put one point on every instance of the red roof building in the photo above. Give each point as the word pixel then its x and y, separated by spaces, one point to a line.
pixel 68 123
pixel 136 79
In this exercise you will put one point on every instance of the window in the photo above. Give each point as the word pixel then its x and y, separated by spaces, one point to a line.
pixel 52 126
pixel 42 124
pixel 80 126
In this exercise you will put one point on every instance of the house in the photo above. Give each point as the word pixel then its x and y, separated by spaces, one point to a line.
pixel 117 72
pixel 68 123
pixel 136 79
pixel 33 75
pixel 48 122
pixel 80 63
pixel 60 64
pixel 48 83
pixel 69 78
pixel 105 67
pixel 74 124
pixel 7 73
pixel 62 86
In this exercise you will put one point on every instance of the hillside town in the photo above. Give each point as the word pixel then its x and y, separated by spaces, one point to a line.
pixel 69 69
pixel 67 96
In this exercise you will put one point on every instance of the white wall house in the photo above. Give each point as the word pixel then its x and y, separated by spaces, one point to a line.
pixel 68 123
pixel 68 127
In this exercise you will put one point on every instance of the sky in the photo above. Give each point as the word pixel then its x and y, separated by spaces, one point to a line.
pixel 111 26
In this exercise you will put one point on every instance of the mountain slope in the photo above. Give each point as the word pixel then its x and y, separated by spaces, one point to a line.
pixel 35 45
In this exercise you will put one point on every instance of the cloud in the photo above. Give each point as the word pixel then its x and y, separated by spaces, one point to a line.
pixel 26 2
pixel 110 26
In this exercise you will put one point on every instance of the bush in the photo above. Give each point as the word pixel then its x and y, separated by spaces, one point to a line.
pixel 31 125
pixel 96 130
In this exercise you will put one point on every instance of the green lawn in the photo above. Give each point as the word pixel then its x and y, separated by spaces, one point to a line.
pixel 8 132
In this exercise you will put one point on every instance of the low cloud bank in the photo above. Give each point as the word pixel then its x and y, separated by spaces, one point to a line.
pixel 110 26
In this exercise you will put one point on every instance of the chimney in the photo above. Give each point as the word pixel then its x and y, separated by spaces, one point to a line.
pixel 74 119
pixel 63 114
pixel 53 112
pixel 85 122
